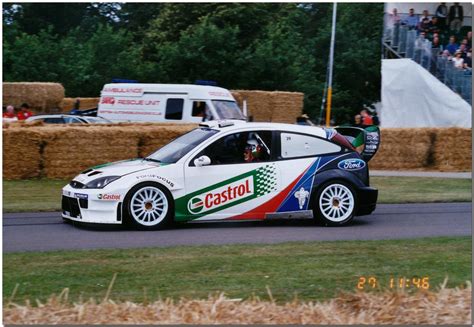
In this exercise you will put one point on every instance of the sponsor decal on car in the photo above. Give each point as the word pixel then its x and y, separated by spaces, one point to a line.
pixel 81 196
pixel 222 196
pixel 154 176
pixel 228 193
pixel 351 164
pixel 109 197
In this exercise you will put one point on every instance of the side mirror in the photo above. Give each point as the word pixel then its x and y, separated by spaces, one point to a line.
pixel 202 161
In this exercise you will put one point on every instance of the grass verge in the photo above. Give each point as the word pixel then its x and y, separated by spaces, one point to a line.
pixel 45 194
pixel 310 270
pixel 422 189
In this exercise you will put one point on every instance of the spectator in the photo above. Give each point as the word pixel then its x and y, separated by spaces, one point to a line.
pixel 394 18
pixel 452 46
pixel 468 59
pixel 375 118
pixel 424 15
pixel 77 104
pixel 24 112
pixel 456 16
pixel 463 49
pixel 411 20
pixel 469 39
pixel 304 120
pixel 357 121
pixel 424 25
pixel 458 61
pixel 366 118
pixel 436 44
pixel 446 55
pixel 434 26
pixel 10 113
pixel 465 42
pixel 442 14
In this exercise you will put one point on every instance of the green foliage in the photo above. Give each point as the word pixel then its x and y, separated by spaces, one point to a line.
pixel 268 46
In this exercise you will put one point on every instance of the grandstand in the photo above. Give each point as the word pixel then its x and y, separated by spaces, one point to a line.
pixel 403 39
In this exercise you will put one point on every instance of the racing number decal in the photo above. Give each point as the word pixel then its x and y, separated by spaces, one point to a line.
pixel 228 193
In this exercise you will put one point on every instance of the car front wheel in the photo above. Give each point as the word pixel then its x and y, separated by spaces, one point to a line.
pixel 335 204
pixel 149 206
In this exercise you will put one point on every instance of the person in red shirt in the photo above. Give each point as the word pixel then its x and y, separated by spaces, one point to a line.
pixel 366 118
pixel 24 112
pixel 10 113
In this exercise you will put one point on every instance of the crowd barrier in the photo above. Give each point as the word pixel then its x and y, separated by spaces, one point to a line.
pixel 64 151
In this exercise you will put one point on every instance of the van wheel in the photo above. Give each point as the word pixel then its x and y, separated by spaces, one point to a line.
pixel 149 206
pixel 335 203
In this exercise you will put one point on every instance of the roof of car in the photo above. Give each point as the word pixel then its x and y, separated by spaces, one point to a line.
pixel 230 125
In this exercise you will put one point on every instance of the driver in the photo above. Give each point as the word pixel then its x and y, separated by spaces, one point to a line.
pixel 252 151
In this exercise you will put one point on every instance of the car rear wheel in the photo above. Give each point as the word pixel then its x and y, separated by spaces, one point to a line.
pixel 149 206
pixel 335 204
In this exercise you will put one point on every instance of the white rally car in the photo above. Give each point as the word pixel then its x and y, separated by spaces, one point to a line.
pixel 233 170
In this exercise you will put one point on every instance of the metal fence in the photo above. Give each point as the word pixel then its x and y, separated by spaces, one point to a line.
pixel 405 42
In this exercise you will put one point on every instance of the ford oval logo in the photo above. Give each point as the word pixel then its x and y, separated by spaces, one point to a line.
pixel 351 164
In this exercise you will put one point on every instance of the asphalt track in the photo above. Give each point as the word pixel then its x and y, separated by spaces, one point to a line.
pixel 46 231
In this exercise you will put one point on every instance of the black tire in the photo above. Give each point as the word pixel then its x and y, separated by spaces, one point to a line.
pixel 149 216
pixel 339 196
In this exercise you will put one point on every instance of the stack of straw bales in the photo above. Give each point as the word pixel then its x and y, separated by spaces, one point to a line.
pixel 402 148
pixel 43 97
pixel 445 306
pixel 69 150
pixel 287 106
pixel 276 106
pixel 453 149
pixel 21 153
pixel 84 103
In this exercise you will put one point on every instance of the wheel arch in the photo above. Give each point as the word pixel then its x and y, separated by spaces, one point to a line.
pixel 141 183
pixel 333 175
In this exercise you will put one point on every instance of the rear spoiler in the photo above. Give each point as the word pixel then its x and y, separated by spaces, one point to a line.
pixel 365 140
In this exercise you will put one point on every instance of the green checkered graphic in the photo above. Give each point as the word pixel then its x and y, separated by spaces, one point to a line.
pixel 266 181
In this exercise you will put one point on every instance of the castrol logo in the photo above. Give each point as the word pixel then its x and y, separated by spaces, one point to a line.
pixel 221 196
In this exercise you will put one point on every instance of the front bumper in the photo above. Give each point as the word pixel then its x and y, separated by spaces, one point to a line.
pixel 367 200
pixel 89 206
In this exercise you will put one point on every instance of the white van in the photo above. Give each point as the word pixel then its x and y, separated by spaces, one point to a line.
pixel 167 103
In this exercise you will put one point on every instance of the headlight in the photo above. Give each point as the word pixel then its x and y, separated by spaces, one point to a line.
pixel 101 182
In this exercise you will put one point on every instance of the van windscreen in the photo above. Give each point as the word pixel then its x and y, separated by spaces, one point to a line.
pixel 228 110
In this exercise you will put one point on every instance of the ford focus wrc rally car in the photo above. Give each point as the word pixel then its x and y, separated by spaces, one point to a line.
pixel 233 170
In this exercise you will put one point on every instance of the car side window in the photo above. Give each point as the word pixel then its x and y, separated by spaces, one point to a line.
pixel 56 120
pixel 243 147
pixel 174 109
pixel 298 145
pixel 72 120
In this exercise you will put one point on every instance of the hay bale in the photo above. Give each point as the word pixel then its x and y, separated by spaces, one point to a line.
pixel 84 103
pixel 287 106
pixel 275 106
pixel 444 306
pixel 259 104
pixel 21 153
pixel 42 97
pixel 70 149
pixel 453 149
pixel 403 148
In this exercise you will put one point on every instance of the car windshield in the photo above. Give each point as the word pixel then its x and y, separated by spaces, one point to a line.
pixel 179 147
pixel 227 110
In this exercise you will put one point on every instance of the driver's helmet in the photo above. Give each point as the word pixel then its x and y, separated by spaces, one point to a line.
pixel 253 150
